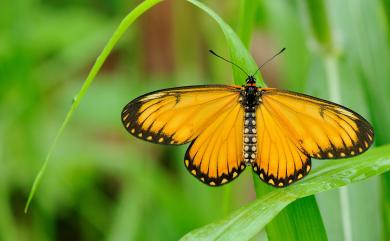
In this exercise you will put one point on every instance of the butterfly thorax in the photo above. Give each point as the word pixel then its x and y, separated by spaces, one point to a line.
pixel 249 100
pixel 249 93
pixel 250 97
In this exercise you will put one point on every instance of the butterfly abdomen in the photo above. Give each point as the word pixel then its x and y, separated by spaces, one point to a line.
pixel 250 101
pixel 250 137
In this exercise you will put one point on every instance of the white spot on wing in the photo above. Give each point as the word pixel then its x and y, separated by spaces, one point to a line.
pixel 153 96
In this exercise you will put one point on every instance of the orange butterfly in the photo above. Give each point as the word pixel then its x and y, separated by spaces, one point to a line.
pixel 277 132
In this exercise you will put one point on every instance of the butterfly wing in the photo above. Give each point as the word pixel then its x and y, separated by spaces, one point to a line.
pixel 280 160
pixel 215 157
pixel 295 127
pixel 209 116
pixel 177 115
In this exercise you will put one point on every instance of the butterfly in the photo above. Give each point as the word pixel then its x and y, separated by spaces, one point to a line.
pixel 230 127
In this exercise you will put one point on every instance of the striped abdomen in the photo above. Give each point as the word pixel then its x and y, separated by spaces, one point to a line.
pixel 250 136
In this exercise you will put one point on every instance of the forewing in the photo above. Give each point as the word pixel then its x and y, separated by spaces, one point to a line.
pixel 215 157
pixel 177 115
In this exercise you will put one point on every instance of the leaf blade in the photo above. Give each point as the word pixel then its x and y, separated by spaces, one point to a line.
pixel 249 220
pixel 238 53
pixel 120 30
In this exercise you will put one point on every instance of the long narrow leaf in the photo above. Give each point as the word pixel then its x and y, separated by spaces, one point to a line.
pixel 301 220
pixel 246 21
pixel 238 49
pixel 249 220
pixel 239 54
pixel 123 26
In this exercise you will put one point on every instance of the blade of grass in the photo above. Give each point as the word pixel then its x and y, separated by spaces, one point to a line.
pixel 249 220
pixel 301 220
pixel 386 12
pixel 370 23
pixel 123 26
pixel 246 21
pixel 361 28
pixel 236 49
pixel 287 30
pixel 386 205
pixel 238 53
pixel 332 71
pixel 322 35
pixel 319 22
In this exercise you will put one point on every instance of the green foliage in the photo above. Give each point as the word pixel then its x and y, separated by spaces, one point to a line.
pixel 123 26
pixel 103 184
pixel 291 223
pixel 249 220
pixel 300 220
pixel 239 54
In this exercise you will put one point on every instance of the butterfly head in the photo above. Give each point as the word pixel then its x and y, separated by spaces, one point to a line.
pixel 251 80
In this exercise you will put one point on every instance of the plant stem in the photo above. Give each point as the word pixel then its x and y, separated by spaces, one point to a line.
pixel 333 80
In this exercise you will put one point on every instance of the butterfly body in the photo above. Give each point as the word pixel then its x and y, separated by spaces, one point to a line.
pixel 249 100
pixel 276 132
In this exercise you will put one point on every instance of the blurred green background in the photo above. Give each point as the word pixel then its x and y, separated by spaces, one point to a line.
pixel 103 184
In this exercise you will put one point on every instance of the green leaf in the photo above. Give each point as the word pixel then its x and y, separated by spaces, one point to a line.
pixel 238 53
pixel 319 22
pixel 246 21
pixel 249 220
pixel 386 205
pixel 296 209
pixel 300 220
pixel 351 206
pixel 121 29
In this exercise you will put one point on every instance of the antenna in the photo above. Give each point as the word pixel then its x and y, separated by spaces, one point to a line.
pixel 228 61
pixel 281 51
